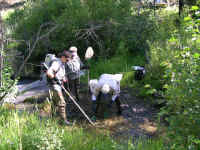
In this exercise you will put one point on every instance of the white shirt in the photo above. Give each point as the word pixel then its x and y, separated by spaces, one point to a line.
pixel 112 80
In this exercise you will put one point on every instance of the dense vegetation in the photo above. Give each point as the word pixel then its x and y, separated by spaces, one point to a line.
pixel 23 131
pixel 166 44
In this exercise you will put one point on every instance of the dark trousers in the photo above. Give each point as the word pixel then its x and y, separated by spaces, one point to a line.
pixel 74 86
pixel 97 103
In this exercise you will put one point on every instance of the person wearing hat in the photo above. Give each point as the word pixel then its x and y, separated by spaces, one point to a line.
pixel 56 73
pixel 73 72
pixel 107 84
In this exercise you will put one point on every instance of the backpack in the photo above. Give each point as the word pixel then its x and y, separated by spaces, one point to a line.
pixel 139 72
pixel 49 59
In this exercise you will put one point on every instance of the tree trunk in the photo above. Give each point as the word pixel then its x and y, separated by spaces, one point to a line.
pixel 181 4
pixel 154 7
pixel 139 7
pixel 1 48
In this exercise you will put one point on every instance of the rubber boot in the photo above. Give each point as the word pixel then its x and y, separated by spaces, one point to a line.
pixel 94 110
pixel 62 113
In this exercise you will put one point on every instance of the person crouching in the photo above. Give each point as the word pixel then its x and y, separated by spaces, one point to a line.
pixel 107 84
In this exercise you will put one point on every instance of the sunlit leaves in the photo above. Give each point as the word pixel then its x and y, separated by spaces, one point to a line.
pixel 187 19
pixel 194 8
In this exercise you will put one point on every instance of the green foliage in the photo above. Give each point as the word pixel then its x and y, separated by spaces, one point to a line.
pixel 183 91
pixel 81 23
pixel 121 62
pixel 163 28
pixel 174 69
pixel 27 131
pixel 20 130
pixel 150 145
pixel 7 82
pixel 100 24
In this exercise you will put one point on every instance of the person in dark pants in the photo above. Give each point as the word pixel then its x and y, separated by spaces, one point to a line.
pixel 107 84
pixel 73 72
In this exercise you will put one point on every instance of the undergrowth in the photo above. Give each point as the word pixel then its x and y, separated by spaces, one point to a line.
pixel 24 131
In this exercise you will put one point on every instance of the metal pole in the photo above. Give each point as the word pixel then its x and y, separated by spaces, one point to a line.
pixel 74 101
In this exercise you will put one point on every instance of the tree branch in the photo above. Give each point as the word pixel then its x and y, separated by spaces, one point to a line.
pixel 31 49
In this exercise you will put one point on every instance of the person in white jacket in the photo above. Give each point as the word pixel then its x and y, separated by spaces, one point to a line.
pixel 107 84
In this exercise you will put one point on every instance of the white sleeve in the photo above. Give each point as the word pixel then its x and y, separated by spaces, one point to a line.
pixel 116 91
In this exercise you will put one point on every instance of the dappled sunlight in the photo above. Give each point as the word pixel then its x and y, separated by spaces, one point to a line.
pixel 149 127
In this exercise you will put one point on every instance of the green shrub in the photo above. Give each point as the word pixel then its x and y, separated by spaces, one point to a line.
pixel 81 23
pixel 20 130
pixel 27 131
pixel 100 24
pixel 176 63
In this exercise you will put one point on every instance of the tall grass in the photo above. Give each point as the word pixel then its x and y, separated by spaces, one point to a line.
pixel 149 145
pixel 23 131
pixel 28 132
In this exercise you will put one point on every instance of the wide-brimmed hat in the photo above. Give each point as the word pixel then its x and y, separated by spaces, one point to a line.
pixel 66 54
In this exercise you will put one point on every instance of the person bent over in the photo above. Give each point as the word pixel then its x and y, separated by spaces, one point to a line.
pixel 56 74
pixel 107 84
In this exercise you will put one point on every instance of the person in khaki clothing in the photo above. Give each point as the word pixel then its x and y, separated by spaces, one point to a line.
pixel 57 75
